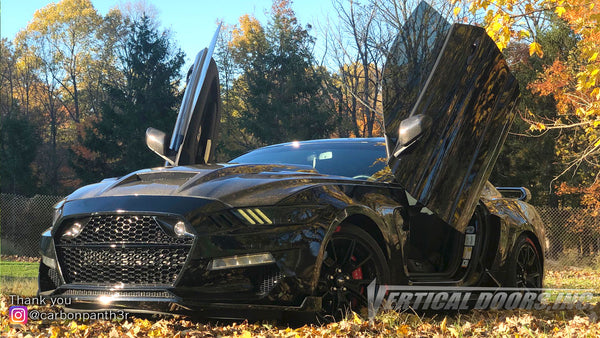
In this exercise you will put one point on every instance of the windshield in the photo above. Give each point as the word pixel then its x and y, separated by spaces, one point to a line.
pixel 358 159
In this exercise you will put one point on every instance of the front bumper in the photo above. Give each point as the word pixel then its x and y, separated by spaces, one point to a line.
pixel 286 284
pixel 156 301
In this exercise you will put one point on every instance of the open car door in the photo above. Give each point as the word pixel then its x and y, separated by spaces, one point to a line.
pixel 194 136
pixel 448 106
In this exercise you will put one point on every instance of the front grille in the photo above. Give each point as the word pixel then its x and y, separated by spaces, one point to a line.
pixel 128 249
pixel 122 265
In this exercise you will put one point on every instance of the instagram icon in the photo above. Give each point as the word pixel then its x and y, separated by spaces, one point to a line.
pixel 18 314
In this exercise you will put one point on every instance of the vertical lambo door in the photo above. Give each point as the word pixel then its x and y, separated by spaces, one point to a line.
pixel 448 106
pixel 194 137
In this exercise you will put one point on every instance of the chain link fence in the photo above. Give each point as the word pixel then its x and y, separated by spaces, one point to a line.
pixel 573 235
pixel 22 221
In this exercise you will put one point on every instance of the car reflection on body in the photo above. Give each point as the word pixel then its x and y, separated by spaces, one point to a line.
pixel 306 226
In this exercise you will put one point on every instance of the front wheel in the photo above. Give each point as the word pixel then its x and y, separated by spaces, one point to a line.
pixel 352 260
pixel 525 265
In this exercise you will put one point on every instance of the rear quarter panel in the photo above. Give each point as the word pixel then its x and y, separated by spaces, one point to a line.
pixel 516 218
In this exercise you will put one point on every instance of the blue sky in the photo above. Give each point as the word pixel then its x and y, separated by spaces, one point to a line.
pixel 192 22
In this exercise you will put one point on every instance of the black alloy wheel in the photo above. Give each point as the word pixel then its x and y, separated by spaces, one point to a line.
pixel 525 266
pixel 351 261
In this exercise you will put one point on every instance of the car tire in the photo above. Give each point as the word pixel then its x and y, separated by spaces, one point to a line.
pixel 352 260
pixel 525 265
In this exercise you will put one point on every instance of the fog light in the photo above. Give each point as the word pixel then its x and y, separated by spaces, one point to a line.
pixel 73 231
pixel 179 229
pixel 241 261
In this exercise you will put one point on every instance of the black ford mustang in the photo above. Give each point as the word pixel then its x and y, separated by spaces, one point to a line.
pixel 306 226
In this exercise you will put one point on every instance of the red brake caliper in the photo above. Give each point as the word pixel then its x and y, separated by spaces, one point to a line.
pixel 357 273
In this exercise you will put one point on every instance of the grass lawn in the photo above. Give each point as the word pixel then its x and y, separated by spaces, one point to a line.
pixel 18 278
pixel 573 278
pixel 18 269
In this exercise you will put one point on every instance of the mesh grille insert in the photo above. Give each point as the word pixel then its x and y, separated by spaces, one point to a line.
pixel 128 249
pixel 122 265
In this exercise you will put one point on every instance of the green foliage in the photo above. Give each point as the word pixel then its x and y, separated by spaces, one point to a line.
pixel 114 144
pixel 18 144
pixel 279 95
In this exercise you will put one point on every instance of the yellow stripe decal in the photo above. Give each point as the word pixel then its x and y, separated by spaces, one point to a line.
pixel 253 215
pixel 262 214
pixel 250 220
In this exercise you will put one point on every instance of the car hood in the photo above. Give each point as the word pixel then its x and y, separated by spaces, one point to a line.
pixel 232 184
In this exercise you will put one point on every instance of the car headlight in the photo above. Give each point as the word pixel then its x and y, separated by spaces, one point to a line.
pixel 73 231
pixel 175 226
pixel 180 229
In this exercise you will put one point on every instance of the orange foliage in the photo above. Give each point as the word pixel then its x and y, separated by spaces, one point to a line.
pixel 573 81
pixel 590 195
pixel 82 129
pixel 555 78
pixel 584 222
pixel 557 81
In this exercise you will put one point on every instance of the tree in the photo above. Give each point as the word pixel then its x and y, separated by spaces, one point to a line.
pixel 60 73
pixel 18 143
pixel 571 81
pixel 359 50
pixel 111 34
pixel 525 160
pixel 54 55
pixel 7 78
pixel 280 90
pixel 233 138
pixel 62 36
pixel 113 144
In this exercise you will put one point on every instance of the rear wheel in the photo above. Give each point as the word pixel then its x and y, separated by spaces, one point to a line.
pixel 352 260
pixel 525 266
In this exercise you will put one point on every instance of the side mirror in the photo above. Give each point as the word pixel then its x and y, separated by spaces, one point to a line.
pixel 157 141
pixel 409 131
pixel 411 128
